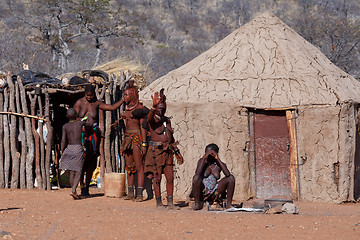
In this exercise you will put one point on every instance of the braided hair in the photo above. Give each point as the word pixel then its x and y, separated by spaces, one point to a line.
pixel 162 96
pixel 133 92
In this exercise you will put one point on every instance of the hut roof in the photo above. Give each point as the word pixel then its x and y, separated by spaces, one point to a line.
pixel 263 64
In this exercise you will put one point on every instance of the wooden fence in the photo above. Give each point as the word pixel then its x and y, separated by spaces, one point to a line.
pixel 27 146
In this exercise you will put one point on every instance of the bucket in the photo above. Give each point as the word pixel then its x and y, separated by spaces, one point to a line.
pixel 114 184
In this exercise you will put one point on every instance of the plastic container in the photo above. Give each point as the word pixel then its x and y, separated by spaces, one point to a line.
pixel 114 184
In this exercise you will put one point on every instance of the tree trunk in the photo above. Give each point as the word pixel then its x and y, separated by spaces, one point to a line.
pixel 48 141
pixel 29 140
pixel 37 141
pixel 2 184
pixel 97 57
pixel 22 139
pixel 6 140
pixel 42 144
pixel 13 138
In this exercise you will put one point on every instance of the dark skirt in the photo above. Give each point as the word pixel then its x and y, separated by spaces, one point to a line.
pixel 72 158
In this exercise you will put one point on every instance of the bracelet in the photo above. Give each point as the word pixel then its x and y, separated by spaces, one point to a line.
pixel 152 109
pixel 177 152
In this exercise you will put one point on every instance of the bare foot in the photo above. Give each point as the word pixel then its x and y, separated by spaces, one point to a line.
pixel 198 206
pixel 75 196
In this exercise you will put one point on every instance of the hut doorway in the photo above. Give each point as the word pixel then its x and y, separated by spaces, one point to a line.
pixel 272 158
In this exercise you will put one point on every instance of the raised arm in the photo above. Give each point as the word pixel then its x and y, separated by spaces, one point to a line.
pixel 109 107
pixel 156 101
pixel 221 164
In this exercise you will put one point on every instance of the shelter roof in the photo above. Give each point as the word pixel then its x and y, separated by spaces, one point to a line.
pixel 263 64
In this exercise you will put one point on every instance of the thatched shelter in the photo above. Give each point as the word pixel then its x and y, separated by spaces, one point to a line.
pixel 284 117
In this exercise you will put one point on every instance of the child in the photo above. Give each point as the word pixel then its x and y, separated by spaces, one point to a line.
pixel 72 157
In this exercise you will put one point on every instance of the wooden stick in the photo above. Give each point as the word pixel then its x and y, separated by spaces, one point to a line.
pixel 113 157
pixel 48 141
pixel 55 90
pixel 13 146
pixel 122 130
pixel 42 144
pixel 102 157
pixel 29 139
pixel 22 139
pixel 37 141
pixel 2 183
pixel 6 140
pixel 102 128
pixel 116 116
pixel 108 164
pixel 252 164
pixel 293 155
pixel 24 115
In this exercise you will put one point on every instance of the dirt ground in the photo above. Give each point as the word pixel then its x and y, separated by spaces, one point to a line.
pixel 36 214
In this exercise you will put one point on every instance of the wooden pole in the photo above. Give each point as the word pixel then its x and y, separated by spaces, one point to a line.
pixel 2 183
pixel 108 164
pixel 22 139
pixel 6 140
pixel 110 129
pixel 48 141
pixel 42 144
pixel 102 128
pixel 23 115
pixel 15 155
pixel 293 155
pixel 29 139
pixel 115 138
pixel 252 165
pixel 37 140
pixel 122 86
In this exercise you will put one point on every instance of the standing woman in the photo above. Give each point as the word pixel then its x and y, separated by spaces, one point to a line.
pixel 133 146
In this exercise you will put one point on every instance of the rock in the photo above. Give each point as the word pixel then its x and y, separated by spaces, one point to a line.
pixel 4 233
pixel 290 208
pixel 274 210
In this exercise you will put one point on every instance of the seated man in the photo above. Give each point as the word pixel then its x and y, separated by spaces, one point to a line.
pixel 206 186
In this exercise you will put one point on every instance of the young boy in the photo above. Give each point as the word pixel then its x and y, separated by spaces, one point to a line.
pixel 72 152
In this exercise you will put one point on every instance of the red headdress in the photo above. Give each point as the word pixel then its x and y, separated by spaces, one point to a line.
pixel 133 92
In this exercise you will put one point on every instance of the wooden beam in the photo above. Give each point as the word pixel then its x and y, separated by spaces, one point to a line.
pixel 293 155
pixel 252 165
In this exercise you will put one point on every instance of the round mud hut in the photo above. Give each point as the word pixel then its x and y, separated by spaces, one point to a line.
pixel 285 117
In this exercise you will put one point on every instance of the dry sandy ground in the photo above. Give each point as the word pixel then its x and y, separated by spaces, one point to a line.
pixel 35 214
